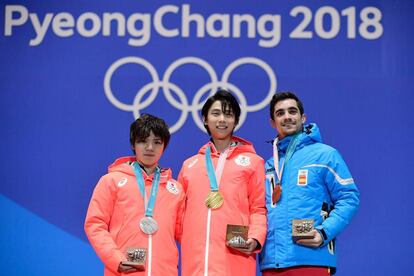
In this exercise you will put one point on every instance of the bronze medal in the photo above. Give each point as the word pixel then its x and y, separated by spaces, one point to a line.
pixel 277 192
pixel 214 200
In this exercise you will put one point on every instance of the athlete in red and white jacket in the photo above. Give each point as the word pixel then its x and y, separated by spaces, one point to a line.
pixel 239 172
pixel 113 219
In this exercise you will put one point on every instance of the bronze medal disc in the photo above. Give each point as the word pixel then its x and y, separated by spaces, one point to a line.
pixel 214 200
pixel 277 192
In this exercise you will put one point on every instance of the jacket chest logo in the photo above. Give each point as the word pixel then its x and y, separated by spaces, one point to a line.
pixel 302 177
pixel 242 160
pixel 172 188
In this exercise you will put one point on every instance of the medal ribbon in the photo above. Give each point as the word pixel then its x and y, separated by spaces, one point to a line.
pixel 210 169
pixel 289 152
pixel 149 206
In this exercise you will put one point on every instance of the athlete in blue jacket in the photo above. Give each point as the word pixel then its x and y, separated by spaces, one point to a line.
pixel 315 184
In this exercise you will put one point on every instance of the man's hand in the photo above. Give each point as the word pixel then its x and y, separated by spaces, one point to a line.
pixel 316 241
pixel 126 268
pixel 252 245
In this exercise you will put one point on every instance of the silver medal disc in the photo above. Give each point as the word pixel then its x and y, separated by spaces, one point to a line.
pixel 148 225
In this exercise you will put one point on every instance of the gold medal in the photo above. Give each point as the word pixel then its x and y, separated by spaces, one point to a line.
pixel 214 200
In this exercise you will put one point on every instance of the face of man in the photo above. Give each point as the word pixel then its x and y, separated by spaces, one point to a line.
pixel 221 124
pixel 287 119
pixel 149 152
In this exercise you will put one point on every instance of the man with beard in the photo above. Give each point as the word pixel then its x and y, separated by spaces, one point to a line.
pixel 310 195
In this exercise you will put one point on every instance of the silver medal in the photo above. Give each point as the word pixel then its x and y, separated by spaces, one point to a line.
pixel 148 225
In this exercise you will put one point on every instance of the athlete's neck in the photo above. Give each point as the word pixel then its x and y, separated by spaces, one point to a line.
pixel 148 170
pixel 222 144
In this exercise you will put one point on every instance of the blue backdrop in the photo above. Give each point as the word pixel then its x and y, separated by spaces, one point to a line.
pixel 74 74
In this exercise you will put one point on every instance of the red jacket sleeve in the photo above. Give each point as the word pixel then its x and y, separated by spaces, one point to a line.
pixel 257 203
pixel 180 216
pixel 181 207
pixel 97 222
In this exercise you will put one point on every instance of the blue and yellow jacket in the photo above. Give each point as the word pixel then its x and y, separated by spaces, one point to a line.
pixel 316 184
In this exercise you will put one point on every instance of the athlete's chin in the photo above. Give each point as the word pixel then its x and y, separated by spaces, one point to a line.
pixel 221 134
pixel 288 132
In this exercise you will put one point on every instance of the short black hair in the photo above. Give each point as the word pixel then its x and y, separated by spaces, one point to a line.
pixel 141 128
pixel 280 96
pixel 228 103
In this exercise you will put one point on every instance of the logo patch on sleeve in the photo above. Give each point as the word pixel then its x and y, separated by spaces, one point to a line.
pixel 122 182
pixel 303 177
pixel 192 163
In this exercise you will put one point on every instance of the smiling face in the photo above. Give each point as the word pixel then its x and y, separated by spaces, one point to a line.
pixel 148 152
pixel 220 123
pixel 287 118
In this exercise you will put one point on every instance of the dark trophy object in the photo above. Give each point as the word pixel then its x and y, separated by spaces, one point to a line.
pixel 236 235
pixel 136 258
pixel 302 229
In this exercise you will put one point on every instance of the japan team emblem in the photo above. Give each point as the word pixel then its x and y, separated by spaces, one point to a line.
pixel 172 188
pixel 242 160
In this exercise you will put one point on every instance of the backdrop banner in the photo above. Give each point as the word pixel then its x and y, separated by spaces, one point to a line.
pixel 75 74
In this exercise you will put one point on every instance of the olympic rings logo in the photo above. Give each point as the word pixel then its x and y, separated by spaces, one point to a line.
pixel 183 103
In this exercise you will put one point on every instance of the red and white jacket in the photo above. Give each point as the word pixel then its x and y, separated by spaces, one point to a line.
pixel 203 245
pixel 117 206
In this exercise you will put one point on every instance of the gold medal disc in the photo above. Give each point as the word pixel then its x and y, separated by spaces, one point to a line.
pixel 214 200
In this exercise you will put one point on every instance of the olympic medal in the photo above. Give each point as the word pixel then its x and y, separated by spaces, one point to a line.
pixel 277 192
pixel 148 225
pixel 214 200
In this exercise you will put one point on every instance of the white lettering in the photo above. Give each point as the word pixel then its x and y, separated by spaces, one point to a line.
pixel 143 35
pixel 187 19
pixel 10 22
pixel 81 24
pixel 40 28
pixel 223 21
pixel 138 27
pixel 159 26
pixel 274 33
pixel 238 19
pixel 63 24
pixel 300 30
pixel 333 14
pixel 108 18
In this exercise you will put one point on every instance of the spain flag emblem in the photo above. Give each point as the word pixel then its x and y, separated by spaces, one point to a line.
pixel 302 177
